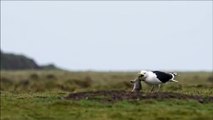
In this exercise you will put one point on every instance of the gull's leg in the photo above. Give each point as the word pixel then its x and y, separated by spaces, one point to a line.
pixel 159 86
pixel 152 89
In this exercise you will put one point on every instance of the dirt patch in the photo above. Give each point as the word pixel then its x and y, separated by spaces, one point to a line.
pixel 113 96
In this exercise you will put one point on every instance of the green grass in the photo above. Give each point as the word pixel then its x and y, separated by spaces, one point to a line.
pixel 38 95
pixel 50 106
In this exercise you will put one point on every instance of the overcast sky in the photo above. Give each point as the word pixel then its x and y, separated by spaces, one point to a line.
pixel 111 35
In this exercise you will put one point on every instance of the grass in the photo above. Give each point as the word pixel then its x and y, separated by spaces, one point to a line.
pixel 38 95
pixel 50 106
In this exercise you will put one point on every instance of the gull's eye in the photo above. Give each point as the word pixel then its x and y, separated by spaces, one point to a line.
pixel 140 75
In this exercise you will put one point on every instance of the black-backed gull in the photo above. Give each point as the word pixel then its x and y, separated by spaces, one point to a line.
pixel 156 77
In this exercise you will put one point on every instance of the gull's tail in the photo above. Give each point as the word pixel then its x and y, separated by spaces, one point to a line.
pixel 173 77
pixel 173 80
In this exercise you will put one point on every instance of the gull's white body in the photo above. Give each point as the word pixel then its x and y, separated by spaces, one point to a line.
pixel 151 79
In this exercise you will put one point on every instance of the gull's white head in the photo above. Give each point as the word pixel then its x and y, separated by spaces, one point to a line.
pixel 142 74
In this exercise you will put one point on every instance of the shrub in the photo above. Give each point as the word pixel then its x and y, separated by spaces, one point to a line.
pixel 51 76
pixel 85 83
pixel 5 83
pixel 34 76
pixel 210 79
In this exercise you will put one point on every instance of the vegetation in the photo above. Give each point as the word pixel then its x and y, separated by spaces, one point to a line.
pixel 41 94
pixel 11 61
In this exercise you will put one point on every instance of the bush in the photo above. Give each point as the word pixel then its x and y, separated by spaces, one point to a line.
pixel 85 83
pixel 51 76
pixel 210 79
pixel 5 83
pixel 34 76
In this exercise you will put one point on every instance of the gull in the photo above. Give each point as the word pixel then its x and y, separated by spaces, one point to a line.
pixel 156 78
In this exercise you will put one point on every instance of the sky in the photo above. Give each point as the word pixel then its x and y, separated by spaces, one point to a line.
pixel 111 35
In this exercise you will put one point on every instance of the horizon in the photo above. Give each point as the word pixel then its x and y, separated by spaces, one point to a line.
pixel 93 70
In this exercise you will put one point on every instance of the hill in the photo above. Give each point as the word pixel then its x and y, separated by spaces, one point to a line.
pixel 10 61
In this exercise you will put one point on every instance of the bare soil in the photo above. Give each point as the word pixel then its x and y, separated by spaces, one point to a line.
pixel 114 96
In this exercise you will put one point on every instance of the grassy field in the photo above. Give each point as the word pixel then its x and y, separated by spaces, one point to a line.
pixel 33 95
